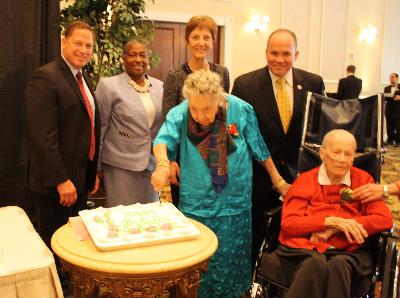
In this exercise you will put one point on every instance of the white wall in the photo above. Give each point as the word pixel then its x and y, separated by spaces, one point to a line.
pixel 327 32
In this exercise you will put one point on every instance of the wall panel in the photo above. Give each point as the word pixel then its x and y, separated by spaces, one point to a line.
pixel 296 17
pixel 391 40
pixel 333 39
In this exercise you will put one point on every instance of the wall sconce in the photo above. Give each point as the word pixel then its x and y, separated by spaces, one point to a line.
pixel 368 34
pixel 258 23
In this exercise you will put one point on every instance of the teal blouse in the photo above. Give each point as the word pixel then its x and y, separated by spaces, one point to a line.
pixel 197 194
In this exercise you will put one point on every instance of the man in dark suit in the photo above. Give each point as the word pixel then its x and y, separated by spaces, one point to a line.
pixel 64 128
pixel 260 88
pixel 392 109
pixel 350 86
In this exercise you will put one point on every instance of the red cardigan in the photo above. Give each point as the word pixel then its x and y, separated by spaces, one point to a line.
pixel 308 203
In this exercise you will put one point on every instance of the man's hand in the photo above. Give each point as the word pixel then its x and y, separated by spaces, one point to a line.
pixel 353 230
pixel 67 192
pixel 175 172
pixel 160 177
pixel 95 187
pixel 323 236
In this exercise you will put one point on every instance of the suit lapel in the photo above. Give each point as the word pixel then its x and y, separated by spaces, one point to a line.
pixel 299 92
pixel 136 102
pixel 268 94
pixel 69 77
pixel 156 98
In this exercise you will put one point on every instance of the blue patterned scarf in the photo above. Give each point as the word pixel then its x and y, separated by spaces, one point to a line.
pixel 214 144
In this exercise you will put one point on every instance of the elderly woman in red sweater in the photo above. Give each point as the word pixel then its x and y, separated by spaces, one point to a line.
pixel 323 229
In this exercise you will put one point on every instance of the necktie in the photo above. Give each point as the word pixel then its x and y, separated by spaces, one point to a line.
pixel 90 113
pixel 282 99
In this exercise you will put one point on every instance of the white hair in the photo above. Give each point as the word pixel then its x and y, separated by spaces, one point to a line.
pixel 204 82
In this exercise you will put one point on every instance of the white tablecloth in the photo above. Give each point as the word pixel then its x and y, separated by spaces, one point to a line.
pixel 27 267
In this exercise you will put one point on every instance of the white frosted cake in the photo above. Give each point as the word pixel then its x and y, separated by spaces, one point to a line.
pixel 137 225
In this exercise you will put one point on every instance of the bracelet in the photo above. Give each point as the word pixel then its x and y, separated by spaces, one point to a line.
pixel 163 163
pixel 280 184
pixel 385 191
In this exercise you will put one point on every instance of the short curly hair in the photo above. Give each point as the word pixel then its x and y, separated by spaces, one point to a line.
pixel 204 82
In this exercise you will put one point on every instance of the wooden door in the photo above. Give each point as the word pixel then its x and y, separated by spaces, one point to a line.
pixel 170 45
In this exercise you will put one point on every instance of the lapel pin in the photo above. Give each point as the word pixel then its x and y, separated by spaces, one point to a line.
pixel 299 87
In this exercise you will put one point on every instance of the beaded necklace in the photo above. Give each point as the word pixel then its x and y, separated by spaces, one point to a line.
pixel 138 88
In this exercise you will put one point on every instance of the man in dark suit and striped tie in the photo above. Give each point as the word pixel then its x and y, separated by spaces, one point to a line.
pixel 64 127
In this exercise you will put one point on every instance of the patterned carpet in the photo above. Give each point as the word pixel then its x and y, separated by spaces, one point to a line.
pixel 390 173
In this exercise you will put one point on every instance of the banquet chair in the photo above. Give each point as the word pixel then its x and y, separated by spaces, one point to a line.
pixel 363 118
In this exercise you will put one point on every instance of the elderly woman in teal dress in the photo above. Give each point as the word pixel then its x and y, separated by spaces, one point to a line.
pixel 218 136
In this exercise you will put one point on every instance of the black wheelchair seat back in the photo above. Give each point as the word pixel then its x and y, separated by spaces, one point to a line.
pixel 361 117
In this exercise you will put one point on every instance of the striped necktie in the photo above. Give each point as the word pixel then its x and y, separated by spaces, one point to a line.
pixel 90 113
pixel 282 99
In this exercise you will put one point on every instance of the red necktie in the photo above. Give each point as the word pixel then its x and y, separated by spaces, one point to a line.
pixel 90 112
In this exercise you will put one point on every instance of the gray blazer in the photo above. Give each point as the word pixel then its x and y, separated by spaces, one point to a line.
pixel 126 138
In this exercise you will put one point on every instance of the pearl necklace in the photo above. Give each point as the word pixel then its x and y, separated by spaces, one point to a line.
pixel 138 88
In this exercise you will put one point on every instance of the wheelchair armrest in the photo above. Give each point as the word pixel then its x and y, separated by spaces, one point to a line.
pixel 389 268
pixel 272 224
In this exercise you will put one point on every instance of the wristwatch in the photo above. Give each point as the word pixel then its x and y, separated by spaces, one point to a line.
pixel 385 191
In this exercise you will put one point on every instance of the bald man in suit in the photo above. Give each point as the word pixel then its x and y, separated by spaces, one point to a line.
pixel 259 88
pixel 64 131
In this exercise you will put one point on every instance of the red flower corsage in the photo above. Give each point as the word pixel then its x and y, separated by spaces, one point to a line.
pixel 232 130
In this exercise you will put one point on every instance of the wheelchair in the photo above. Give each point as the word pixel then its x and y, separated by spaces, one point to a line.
pixel 363 118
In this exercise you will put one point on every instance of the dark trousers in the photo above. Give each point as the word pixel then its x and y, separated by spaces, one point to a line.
pixel 52 215
pixel 395 118
pixel 311 274
pixel 263 198
pixel 391 123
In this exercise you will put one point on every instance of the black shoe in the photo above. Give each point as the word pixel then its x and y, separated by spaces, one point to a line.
pixel 397 145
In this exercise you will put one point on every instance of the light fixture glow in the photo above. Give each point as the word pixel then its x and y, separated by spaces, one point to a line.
pixel 258 23
pixel 368 34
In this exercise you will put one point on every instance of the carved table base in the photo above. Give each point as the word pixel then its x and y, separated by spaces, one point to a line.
pixel 88 283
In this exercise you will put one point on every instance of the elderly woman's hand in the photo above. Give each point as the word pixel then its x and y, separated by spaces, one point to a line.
pixel 368 192
pixel 323 236
pixel 174 173
pixel 160 177
pixel 353 230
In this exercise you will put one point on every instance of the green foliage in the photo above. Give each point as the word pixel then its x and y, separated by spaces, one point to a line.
pixel 115 22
